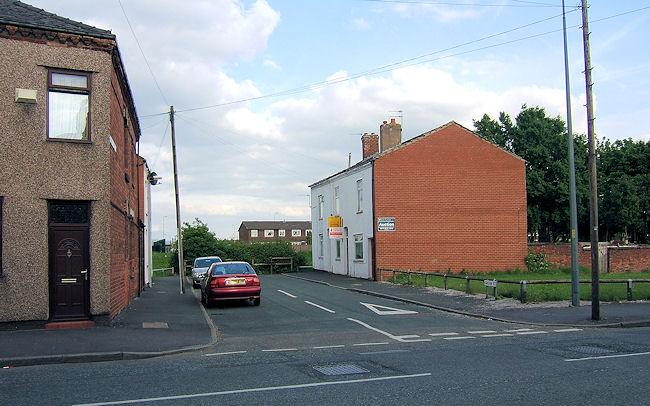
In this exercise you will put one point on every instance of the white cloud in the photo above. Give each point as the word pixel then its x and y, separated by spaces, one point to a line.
pixel 269 63
pixel 360 24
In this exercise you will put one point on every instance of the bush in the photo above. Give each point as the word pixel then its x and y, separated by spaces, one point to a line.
pixel 536 262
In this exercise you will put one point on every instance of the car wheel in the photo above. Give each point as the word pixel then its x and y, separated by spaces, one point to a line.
pixel 195 286
pixel 256 302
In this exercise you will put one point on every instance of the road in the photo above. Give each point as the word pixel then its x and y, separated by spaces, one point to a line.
pixel 311 344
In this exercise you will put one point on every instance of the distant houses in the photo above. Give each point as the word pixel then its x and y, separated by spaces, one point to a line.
pixel 295 232
pixel 445 200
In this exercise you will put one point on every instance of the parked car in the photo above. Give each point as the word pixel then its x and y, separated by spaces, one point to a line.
pixel 230 281
pixel 199 269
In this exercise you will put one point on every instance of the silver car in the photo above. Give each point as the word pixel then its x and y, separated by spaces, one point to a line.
pixel 200 267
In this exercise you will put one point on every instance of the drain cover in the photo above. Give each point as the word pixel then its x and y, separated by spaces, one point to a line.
pixel 341 369
pixel 591 349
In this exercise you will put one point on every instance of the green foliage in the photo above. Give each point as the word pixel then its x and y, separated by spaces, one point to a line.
pixel 537 263
pixel 160 260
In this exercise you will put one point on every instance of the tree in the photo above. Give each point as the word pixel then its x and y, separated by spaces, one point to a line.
pixel 198 241
pixel 541 141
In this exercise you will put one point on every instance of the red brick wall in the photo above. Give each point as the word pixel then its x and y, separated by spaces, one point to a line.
pixel 126 183
pixel 620 259
pixel 458 202
pixel 559 255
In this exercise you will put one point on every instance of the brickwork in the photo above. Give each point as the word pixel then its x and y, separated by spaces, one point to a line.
pixel 369 144
pixel 459 203
pixel 619 259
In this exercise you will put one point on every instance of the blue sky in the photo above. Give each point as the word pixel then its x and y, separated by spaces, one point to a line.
pixel 253 160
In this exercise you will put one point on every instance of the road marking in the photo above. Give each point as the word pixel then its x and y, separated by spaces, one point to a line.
pixel 458 338
pixel 287 293
pixel 517 330
pixel 224 353
pixel 319 306
pixel 250 390
pixel 523 333
pixel 280 349
pixel 402 339
pixel 364 344
pixel 442 334
pixel 387 310
pixel 566 330
pixel 383 352
pixel 499 335
pixel 481 332
pixel 328 346
pixel 608 356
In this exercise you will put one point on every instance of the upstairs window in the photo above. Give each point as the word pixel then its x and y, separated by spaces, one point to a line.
pixel 321 207
pixel 68 105
pixel 337 203
pixel 296 233
pixel 360 195
pixel 253 233
pixel 269 233
pixel 282 233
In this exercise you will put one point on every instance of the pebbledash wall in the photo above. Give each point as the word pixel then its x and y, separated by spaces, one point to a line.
pixel 35 170
pixel 458 201
pixel 614 258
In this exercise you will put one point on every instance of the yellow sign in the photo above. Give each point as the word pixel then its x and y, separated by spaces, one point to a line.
pixel 334 221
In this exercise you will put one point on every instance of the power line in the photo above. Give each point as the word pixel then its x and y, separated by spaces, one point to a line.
pixel 160 145
pixel 142 52
pixel 525 4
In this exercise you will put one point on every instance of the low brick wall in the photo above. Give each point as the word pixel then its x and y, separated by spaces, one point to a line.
pixel 634 258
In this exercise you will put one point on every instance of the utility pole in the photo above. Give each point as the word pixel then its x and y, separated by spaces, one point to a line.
pixel 575 269
pixel 179 240
pixel 593 187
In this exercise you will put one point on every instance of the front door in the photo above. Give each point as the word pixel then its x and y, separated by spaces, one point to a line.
pixel 69 260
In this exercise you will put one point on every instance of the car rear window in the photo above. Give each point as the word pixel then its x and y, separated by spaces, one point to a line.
pixel 232 269
pixel 205 262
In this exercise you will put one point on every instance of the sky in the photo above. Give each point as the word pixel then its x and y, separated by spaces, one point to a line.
pixel 321 73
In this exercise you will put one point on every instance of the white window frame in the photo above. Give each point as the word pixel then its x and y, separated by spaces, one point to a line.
pixel 339 244
pixel 282 233
pixel 359 195
pixel 254 233
pixel 321 206
pixel 269 233
pixel 358 240
pixel 320 245
pixel 337 201
pixel 296 233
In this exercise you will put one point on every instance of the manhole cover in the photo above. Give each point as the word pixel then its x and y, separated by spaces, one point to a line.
pixel 341 369
pixel 591 349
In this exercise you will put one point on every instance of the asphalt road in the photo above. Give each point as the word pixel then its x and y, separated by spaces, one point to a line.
pixel 309 344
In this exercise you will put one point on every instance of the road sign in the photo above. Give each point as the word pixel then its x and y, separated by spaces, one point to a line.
pixel 386 224
pixel 335 233
pixel 385 310
pixel 490 283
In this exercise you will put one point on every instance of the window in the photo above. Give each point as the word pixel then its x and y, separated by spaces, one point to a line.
pixel 1 206
pixel 253 233
pixel 320 245
pixel 358 247
pixel 68 105
pixel 296 233
pixel 359 195
pixel 337 207
pixel 282 233
pixel 321 207
pixel 237 268
pixel 205 262
pixel 338 249
pixel 269 233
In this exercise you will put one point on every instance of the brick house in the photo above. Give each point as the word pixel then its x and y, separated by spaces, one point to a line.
pixel 263 231
pixel 444 200
pixel 71 183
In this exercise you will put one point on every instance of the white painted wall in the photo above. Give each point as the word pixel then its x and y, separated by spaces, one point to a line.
pixel 353 221
pixel 147 231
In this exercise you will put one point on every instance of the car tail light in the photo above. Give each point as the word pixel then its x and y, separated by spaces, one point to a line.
pixel 254 281
pixel 214 282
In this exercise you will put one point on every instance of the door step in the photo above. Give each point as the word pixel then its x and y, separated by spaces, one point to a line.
pixel 65 325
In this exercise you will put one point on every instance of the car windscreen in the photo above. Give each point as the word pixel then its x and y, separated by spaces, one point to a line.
pixel 232 269
pixel 205 262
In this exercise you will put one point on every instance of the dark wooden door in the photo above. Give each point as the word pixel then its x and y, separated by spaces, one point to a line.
pixel 69 277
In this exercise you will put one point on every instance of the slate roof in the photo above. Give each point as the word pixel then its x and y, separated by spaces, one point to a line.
pixel 276 225
pixel 13 12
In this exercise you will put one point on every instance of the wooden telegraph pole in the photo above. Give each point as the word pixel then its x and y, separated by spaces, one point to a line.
pixel 179 240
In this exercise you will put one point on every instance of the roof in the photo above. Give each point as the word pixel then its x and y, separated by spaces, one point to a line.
pixel 406 143
pixel 16 13
pixel 275 225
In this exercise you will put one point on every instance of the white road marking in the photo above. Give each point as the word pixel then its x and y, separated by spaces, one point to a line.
pixel 481 332
pixel 499 335
pixel 280 349
pixel 287 293
pixel 566 330
pixel 442 334
pixel 224 353
pixel 517 330
pixel 608 356
pixel 458 338
pixel 387 310
pixel 365 344
pixel 402 339
pixel 319 306
pixel 328 346
pixel 262 389
pixel 383 352
pixel 523 333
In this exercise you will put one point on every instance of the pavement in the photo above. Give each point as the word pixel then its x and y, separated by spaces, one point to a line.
pixel 619 314
pixel 159 322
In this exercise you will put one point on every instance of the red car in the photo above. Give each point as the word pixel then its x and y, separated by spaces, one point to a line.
pixel 230 281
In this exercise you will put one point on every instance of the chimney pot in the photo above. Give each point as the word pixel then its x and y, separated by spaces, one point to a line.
pixel 369 144
pixel 390 135
pixel 392 121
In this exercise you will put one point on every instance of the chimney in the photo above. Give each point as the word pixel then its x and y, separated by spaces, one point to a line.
pixel 369 144
pixel 390 134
